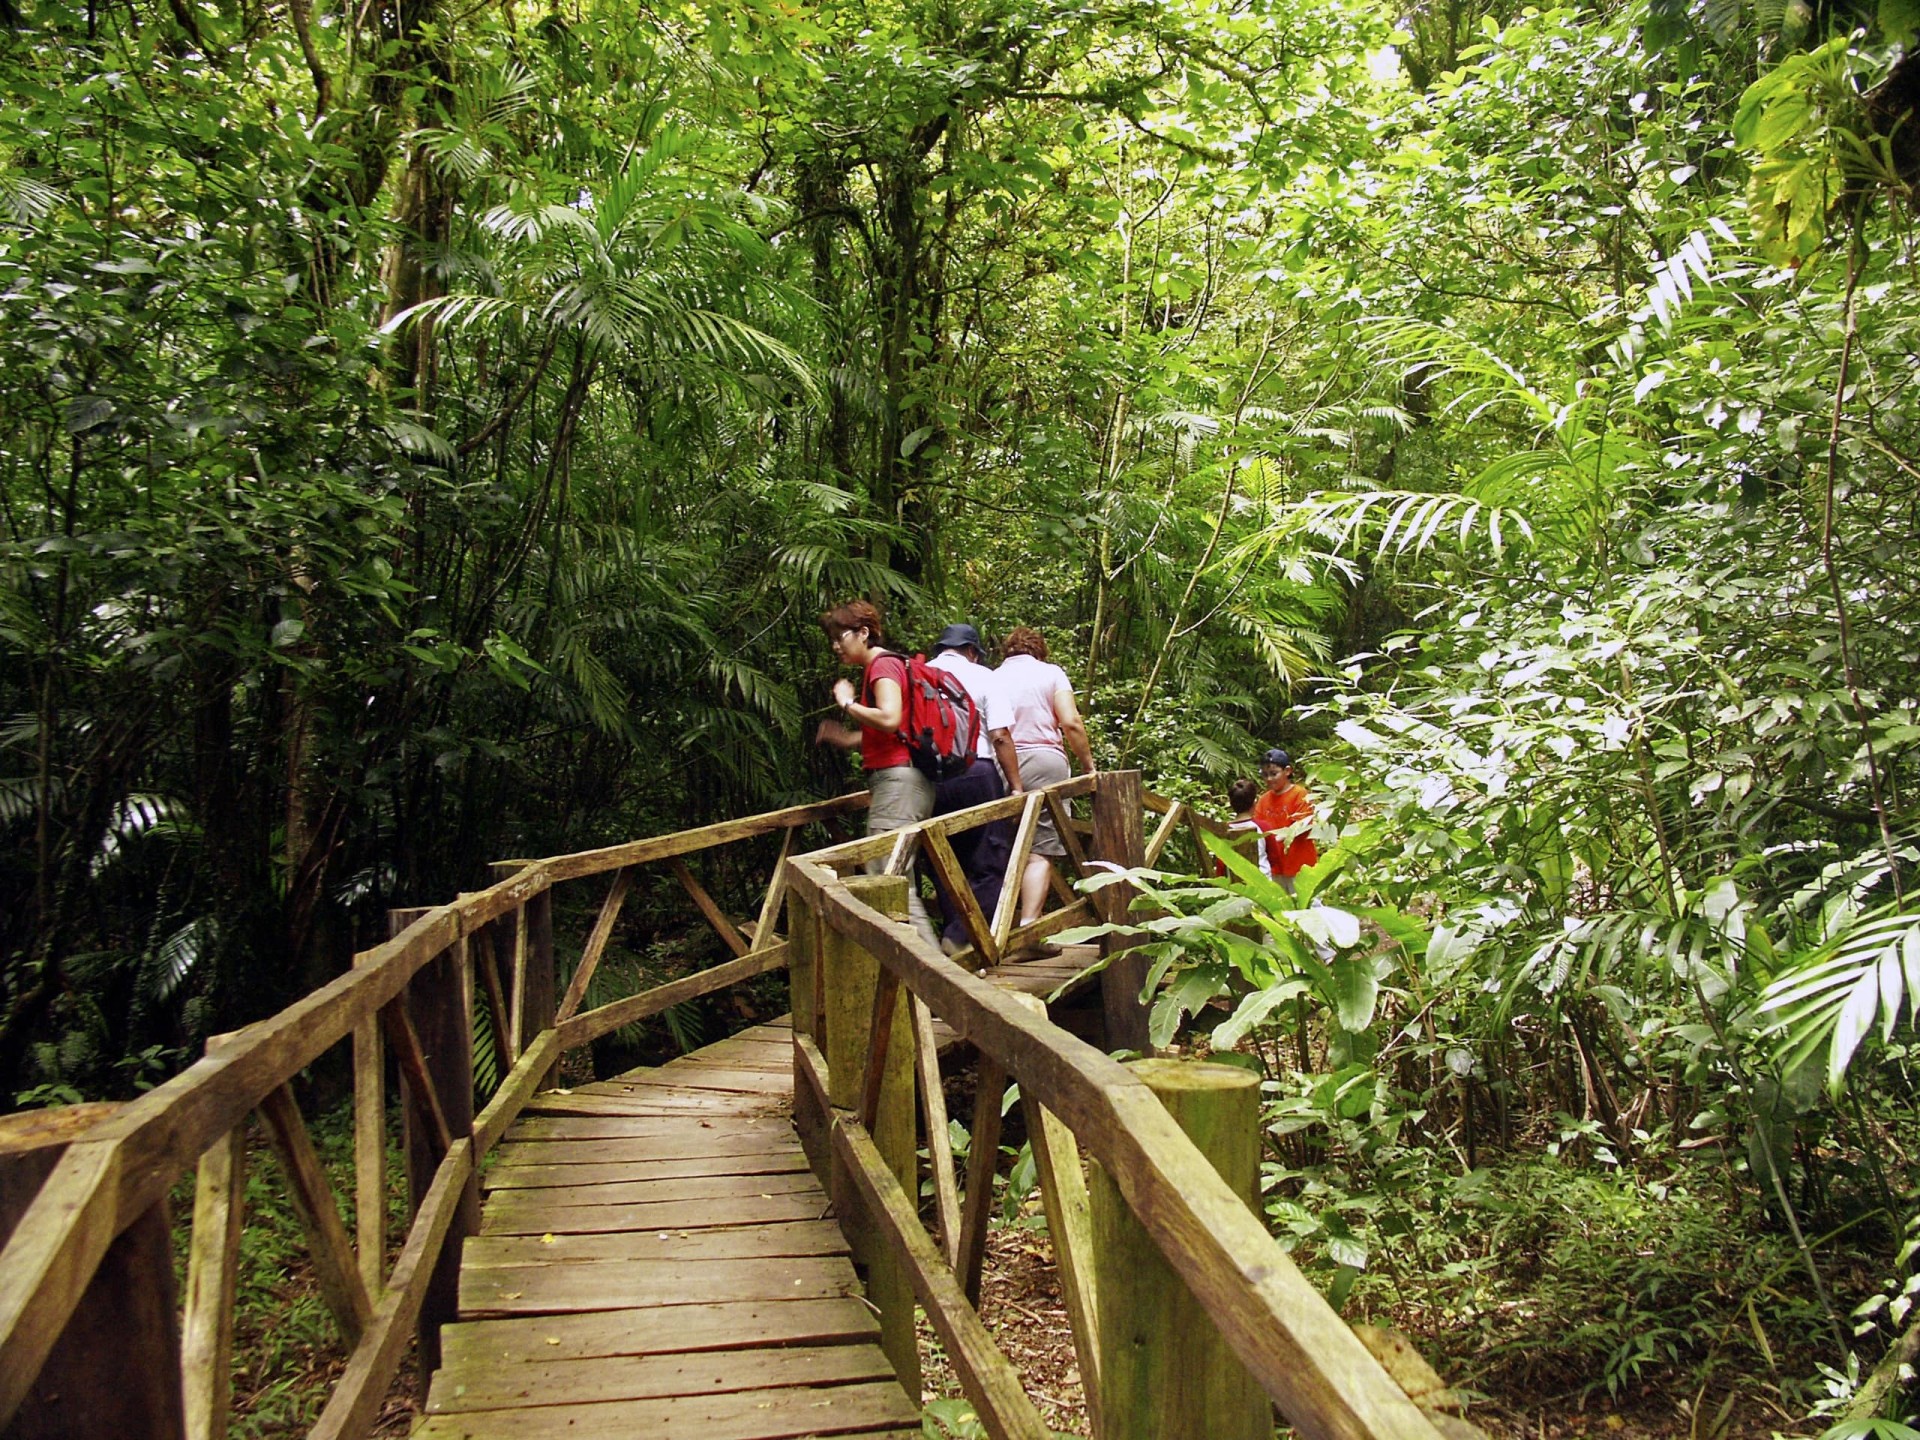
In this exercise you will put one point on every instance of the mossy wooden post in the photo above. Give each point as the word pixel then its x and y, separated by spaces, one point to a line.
pixel 851 975
pixel 1119 838
pixel 810 1118
pixel 439 1002
pixel 115 1369
pixel 1165 1371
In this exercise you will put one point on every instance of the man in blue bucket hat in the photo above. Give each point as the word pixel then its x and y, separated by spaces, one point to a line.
pixel 983 850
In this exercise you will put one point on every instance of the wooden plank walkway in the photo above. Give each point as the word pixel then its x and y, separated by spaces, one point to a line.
pixel 656 1260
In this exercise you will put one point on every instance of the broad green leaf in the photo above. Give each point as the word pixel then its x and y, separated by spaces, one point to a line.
pixel 1356 988
pixel 1252 1010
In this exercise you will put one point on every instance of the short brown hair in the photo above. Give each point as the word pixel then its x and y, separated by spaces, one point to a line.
pixel 1242 793
pixel 1024 640
pixel 855 615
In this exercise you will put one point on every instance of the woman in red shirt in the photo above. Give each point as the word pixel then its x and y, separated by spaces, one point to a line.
pixel 898 794
pixel 1281 806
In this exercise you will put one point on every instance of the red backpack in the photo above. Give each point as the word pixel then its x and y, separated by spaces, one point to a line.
pixel 939 723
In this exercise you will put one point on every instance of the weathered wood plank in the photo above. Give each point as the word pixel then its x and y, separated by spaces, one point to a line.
pixel 486 966
pixel 665 1330
pixel 618 1150
pixel 1063 1194
pixel 335 1268
pixel 946 869
pixel 363 1386
pixel 1162 833
pixel 709 907
pixel 874 1076
pixel 583 1029
pixel 1009 906
pixel 423 1095
pixel 707 837
pixel 986 1375
pixel 369 1154
pixel 511 1098
pixel 780 1029
pixel 743 1242
pixel 596 944
pixel 766 1129
pixel 581 1382
pixel 1165 1371
pixel 879 1032
pixel 933 1106
pixel 766 925
pixel 1116 839
pixel 983 1160
pixel 850 853
pixel 213 1273
pixel 519 1033
pixel 581 1176
pixel 123 1330
pixel 1079 912
pixel 906 844
pixel 655 1191
pixel 698 1077
pixel 51 1256
pixel 55 1126
pixel 508 1215
pixel 620 1284
pixel 755 1055
pixel 782 1414
pixel 1069 836
pixel 661 1101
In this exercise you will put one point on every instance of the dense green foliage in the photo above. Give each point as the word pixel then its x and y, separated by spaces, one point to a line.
pixel 428 433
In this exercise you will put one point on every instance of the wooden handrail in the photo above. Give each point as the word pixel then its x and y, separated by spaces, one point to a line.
pixel 691 842
pixel 119 1169
pixel 1312 1365
pixel 116 1169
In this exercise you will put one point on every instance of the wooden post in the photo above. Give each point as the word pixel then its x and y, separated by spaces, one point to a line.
pixel 439 1005
pixel 983 1164
pixel 810 1119
pixel 370 1152
pixel 1063 1194
pixel 1117 801
pixel 543 985
pixel 851 976
pixel 1165 1372
pixel 115 1370
pixel 213 1272
pixel 536 989
pixel 803 945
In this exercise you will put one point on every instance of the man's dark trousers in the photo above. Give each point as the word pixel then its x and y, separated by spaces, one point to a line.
pixel 982 851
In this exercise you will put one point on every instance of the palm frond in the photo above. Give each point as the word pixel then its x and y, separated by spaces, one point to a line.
pixel 1868 972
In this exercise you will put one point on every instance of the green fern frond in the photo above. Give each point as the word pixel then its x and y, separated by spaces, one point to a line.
pixel 1868 973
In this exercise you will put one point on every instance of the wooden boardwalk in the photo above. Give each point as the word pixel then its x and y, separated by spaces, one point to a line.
pixel 651 1257
pixel 655 1259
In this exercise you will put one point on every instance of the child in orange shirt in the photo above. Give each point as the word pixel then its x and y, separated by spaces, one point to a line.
pixel 1281 806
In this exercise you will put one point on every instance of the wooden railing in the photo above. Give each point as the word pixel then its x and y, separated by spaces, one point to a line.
pixel 86 1275
pixel 850 1075
pixel 86 1278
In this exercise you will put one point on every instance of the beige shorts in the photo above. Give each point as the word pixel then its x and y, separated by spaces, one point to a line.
pixel 1040 768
